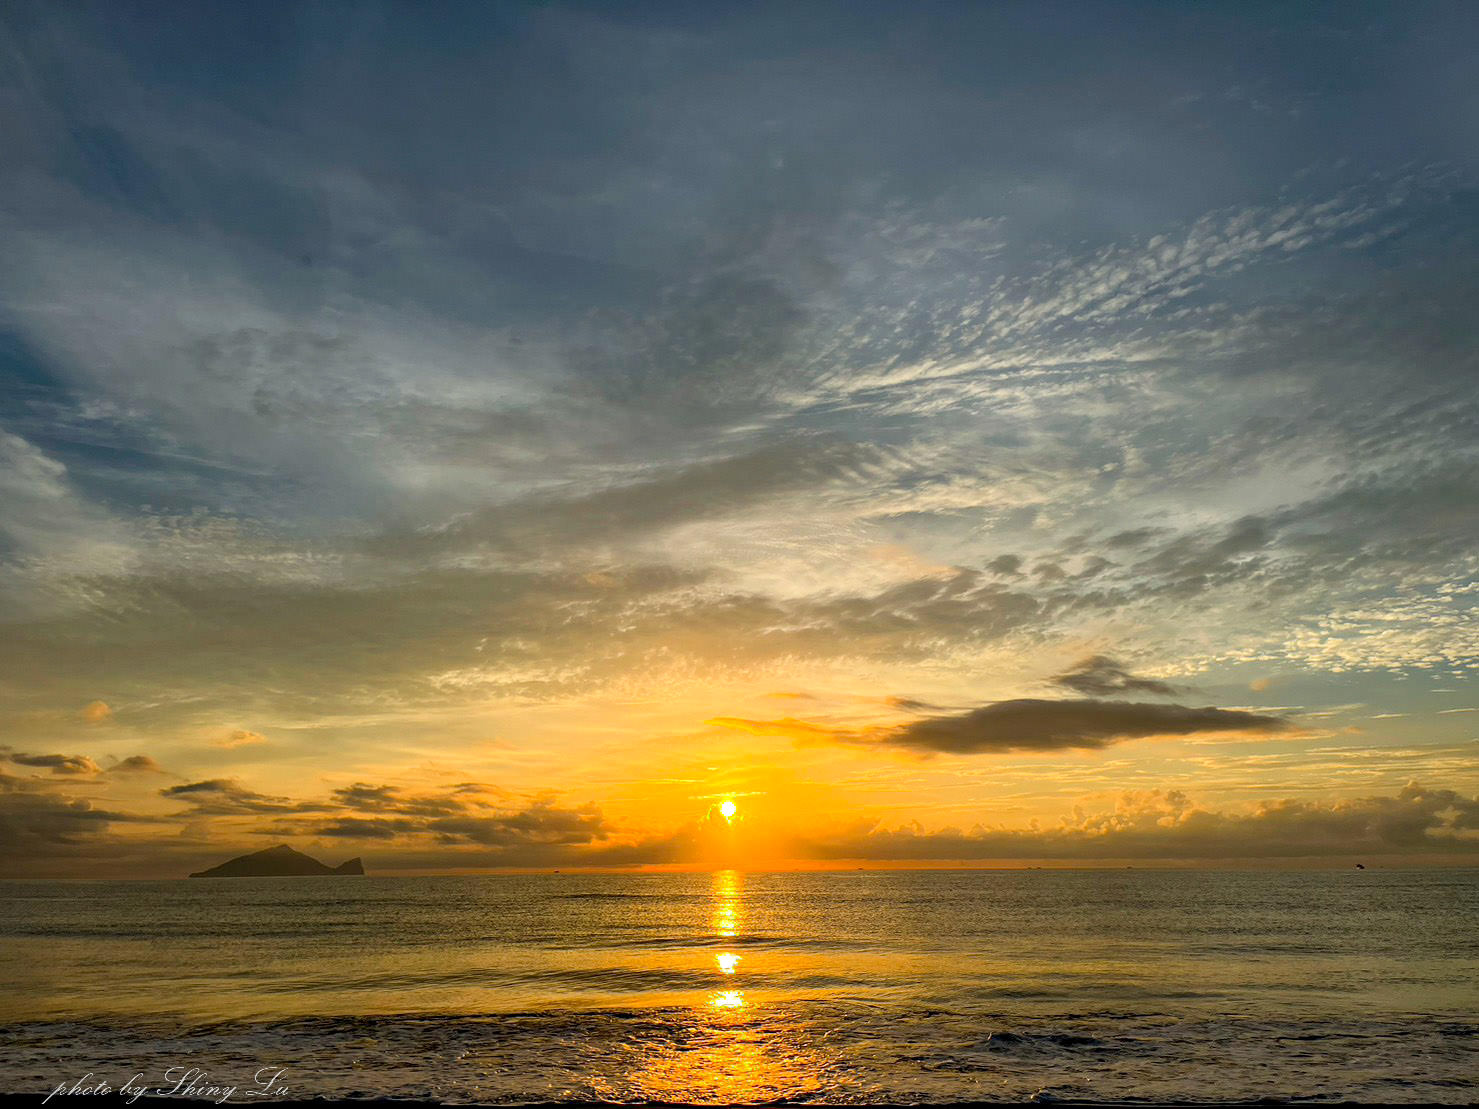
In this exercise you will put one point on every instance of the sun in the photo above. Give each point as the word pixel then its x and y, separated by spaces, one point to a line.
pixel 728 809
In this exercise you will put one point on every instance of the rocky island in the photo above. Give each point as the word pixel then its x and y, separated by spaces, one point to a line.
pixel 277 862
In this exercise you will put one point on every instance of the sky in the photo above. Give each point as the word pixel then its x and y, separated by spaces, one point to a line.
pixel 493 436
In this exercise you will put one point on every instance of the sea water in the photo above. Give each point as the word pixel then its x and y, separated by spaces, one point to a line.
pixel 857 986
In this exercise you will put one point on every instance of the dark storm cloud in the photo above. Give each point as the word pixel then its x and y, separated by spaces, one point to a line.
pixel 1099 676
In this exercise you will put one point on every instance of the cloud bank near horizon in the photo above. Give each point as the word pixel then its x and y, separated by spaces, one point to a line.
pixel 474 827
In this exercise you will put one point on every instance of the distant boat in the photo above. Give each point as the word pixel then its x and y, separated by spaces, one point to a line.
pixel 278 862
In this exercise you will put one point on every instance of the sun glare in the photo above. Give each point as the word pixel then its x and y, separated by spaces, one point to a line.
pixel 728 809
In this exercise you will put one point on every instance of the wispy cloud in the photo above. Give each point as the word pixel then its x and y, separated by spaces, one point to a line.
pixel 1100 675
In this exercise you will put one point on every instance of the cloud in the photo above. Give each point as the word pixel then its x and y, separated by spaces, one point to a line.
pixel 465 817
pixel 362 796
pixel 136 764
pixel 57 764
pixel 1099 676
pixel 354 827
pixel 213 785
pixel 48 528
pixel 1146 824
pixel 227 797
pixel 464 826
pixel 909 704
pixel 37 825
pixel 541 824
pixel 1167 824
pixel 241 737
pixel 1024 725
pixel 701 490
pixel 462 815
pixel 308 647
pixel 96 712
pixel 366 798
pixel 467 824
pixel 1036 725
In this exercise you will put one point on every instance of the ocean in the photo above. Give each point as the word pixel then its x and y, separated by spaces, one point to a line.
pixel 852 987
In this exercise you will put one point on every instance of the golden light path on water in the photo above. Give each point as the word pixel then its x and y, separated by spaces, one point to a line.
pixel 728 886
pixel 734 1050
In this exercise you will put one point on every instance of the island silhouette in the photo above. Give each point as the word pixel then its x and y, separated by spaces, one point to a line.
pixel 277 862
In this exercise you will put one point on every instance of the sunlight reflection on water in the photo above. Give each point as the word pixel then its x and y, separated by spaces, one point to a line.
pixel 732 1054
pixel 728 1062
pixel 728 886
